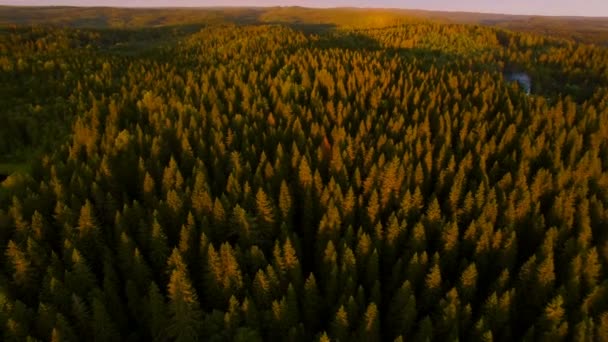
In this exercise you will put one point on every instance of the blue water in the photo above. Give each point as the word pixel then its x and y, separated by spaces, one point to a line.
pixel 524 80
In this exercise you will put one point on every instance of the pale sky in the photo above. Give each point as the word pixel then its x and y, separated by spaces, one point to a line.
pixel 542 7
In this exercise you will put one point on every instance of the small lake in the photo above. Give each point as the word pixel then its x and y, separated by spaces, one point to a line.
pixel 524 80
pixel 3 178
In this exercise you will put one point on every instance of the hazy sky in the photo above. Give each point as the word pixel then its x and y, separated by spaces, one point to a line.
pixel 547 7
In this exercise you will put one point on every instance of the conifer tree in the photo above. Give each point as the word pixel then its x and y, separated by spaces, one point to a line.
pixel 184 308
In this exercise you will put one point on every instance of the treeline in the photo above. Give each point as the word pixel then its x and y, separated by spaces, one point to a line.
pixel 593 30
pixel 256 183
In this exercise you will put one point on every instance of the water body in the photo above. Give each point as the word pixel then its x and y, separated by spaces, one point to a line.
pixel 524 80
pixel 3 178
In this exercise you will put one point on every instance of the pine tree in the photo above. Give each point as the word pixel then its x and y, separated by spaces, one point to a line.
pixel 103 326
pixel 468 282
pixel 63 331
pixel 370 326
pixel 340 325
pixel 243 226
pixel 156 313
pixel 159 246
pixel 285 201
pixel 82 316
pixel 265 216
pixel 553 324
pixel 312 304
pixel 79 279
pixel 425 330
pixel 184 308
pixel 401 312
pixel 305 174
pixel 21 265
pixel 264 207
pixel 87 225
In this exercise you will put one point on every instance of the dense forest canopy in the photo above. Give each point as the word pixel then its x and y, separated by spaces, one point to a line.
pixel 303 176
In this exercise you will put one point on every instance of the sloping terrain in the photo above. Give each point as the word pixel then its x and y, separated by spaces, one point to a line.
pixel 298 175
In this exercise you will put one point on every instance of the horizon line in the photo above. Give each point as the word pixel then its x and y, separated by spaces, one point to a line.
pixel 314 8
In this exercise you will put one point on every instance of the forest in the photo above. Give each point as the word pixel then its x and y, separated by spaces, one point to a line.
pixel 300 175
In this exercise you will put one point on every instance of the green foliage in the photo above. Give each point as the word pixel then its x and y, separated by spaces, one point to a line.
pixel 339 176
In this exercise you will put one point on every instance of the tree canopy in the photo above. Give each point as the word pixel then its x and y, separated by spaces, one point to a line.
pixel 262 182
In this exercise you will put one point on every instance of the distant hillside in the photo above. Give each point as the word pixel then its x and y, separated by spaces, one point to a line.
pixel 589 30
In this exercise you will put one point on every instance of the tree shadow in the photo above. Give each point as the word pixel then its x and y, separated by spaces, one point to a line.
pixel 353 40
pixel 346 40
pixel 307 28
pixel 134 41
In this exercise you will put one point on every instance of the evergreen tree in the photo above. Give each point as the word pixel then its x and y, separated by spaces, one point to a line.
pixel 184 309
